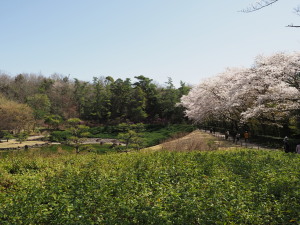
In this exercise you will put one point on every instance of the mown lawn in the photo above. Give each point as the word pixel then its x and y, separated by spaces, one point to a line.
pixel 220 187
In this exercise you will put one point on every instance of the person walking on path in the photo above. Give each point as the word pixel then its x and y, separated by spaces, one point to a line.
pixel 246 136
pixel 237 138
pixel 298 149
pixel 226 135
pixel 286 145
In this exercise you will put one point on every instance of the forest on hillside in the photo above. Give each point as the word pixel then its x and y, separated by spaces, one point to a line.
pixel 28 100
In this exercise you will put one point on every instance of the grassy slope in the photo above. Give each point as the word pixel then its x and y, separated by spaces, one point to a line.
pixel 235 186
pixel 195 140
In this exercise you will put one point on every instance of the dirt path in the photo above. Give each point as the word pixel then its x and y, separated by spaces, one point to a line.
pixel 197 134
pixel 217 140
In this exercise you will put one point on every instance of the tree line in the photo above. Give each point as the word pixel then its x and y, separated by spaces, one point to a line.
pixel 264 98
pixel 27 100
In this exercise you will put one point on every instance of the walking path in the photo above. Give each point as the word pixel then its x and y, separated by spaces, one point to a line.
pixel 197 134
pixel 240 143
pixel 35 141
pixel 202 134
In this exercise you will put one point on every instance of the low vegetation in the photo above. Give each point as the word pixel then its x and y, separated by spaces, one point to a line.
pixel 233 187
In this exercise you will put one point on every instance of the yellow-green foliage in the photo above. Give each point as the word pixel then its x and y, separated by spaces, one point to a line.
pixel 220 187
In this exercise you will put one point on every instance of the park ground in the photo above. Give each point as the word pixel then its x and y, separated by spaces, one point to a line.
pixel 196 140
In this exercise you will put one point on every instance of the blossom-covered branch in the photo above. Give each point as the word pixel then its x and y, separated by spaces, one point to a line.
pixel 268 91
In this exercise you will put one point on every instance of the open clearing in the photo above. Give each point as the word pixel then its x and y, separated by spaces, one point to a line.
pixel 15 144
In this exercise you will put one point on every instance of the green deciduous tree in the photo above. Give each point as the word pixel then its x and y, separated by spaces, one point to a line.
pixel 7 135
pixel 101 104
pixel 79 133
pixel 168 99
pixel 40 104
pixel 150 90
pixel 22 136
pixel 131 134
pixel 53 121
pixel 120 99
pixel 137 107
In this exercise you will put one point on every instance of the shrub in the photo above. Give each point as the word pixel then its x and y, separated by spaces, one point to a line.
pixel 60 136
pixel 229 187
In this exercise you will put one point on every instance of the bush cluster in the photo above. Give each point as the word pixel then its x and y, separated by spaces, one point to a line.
pixel 229 187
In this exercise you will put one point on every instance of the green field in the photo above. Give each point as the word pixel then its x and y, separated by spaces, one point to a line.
pixel 219 187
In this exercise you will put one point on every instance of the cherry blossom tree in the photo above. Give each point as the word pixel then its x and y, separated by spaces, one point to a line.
pixel 268 93
pixel 214 99
pixel 278 86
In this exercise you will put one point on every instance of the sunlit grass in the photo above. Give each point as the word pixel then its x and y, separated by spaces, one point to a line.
pixel 15 144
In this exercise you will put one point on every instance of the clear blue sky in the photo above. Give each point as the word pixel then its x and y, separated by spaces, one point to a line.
pixel 186 40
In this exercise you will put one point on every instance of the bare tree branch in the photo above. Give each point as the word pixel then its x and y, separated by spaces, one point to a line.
pixel 259 5
pixel 291 25
pixel 297 10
